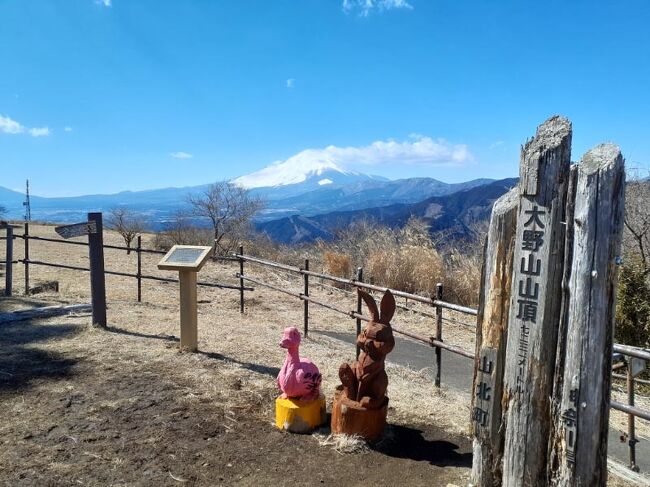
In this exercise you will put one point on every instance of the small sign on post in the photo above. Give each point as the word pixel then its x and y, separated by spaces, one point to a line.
pixel 76 229
pixel 637 366
pixel 187 260
pixel 95 231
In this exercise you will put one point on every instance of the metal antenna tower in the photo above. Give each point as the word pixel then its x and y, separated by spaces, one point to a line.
pixel 27 204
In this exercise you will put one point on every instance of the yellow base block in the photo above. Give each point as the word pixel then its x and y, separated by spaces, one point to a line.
pixel 299 416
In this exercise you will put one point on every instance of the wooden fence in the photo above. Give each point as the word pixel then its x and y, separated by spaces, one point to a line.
pixel 139 276
pixel 437 304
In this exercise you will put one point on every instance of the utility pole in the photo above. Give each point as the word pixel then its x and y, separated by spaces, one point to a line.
pixel 27 204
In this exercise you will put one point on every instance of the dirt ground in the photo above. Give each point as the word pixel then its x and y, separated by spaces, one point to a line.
pixel 117 407
pixel 123 407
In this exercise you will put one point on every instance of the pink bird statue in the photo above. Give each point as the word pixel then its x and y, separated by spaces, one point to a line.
pixel 299 378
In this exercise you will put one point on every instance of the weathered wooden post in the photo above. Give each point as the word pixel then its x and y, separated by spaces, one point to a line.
pixel 359 309
pixel 438 334
pixel 535 301
pixel 241 277
pixel 97 276
pixel 9 260
pixel 139 270
pixel 631 433
pixel 305 277
pixel 579 439
pixel 26 257
pixel 491 337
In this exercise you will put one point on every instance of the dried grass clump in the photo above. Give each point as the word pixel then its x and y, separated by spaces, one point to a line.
pixel 408 259
pixel 336 264
pixel 462 278
pixel 411 269
pixel 343 444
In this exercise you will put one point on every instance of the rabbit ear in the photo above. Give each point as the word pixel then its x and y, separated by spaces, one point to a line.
pixel 387 308
pixel 370 303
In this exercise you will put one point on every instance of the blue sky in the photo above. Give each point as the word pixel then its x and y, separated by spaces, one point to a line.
pixel 103 96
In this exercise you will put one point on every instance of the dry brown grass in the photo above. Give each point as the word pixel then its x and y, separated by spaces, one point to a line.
pixel 408 259
pixel 337 264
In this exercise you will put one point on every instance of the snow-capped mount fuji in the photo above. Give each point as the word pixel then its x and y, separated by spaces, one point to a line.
pixel 300 174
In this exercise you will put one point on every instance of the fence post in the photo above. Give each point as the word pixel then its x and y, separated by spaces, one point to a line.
pixel 26 257
pixel 305 302
pixel 631 435
pixel 9 260
pixel 241 278
pixel 359 279
pixel 139 271
pixel 438 334
pixel 97 276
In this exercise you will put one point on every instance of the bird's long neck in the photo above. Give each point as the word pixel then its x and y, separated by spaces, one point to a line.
pixel 292 355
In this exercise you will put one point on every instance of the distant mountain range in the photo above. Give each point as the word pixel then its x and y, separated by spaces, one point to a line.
pixel 455 212
pixel 303 200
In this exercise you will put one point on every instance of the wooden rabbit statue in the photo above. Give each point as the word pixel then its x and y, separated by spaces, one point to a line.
pixel 360 403
pixel 365 380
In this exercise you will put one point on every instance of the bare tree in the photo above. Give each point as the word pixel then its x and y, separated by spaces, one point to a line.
pixel 127 223
pixel 230 210
pixel 3 211
pixel 179 229
pixel 637 220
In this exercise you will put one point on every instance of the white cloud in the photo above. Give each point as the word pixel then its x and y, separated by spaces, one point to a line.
pixel 67 129
pixel 105 3
pixel 496 144
pixel 39 132
pixel 9 126
pixel 181 155
pixel 291 83
pixel 365 7
pixel 417 150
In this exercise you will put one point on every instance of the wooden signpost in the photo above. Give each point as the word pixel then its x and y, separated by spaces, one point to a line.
pixel 582 421
pixel 544 336
pixel 492 332
pixel 95 230
pixel 187 260
pixel 535 303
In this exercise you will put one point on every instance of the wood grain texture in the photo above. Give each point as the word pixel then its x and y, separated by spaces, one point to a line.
pixel 579 442
pixel 533 320
pixel 491 334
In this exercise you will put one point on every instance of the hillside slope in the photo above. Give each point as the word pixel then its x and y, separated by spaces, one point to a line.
pixel 456 213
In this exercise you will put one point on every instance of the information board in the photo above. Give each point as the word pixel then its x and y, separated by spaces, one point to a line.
pixel 185 257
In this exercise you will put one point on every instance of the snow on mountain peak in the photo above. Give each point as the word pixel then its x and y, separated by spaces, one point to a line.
pixel 294 170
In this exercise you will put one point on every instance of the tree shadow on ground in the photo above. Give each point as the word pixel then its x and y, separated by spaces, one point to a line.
pixel 21 364
pixel 13 303
pixel 120 331
pixel 410 443
pixel 258 368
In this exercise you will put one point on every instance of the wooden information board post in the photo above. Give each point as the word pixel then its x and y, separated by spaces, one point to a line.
pixel 187 260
